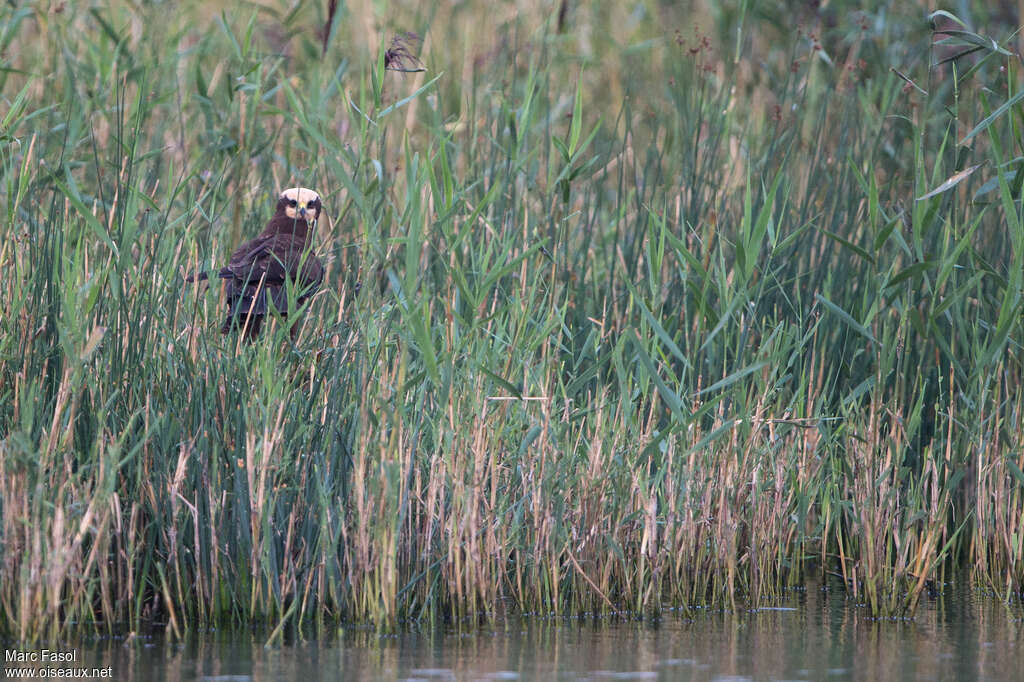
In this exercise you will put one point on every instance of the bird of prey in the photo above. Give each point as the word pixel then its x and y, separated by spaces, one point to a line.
pixel 262 269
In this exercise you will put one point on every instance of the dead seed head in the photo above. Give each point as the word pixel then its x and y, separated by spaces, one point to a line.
pixel 399 56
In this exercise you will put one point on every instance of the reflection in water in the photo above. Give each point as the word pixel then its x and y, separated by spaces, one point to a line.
pixel 816 635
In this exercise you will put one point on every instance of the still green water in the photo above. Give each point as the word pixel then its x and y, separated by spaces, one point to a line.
pixel 813 635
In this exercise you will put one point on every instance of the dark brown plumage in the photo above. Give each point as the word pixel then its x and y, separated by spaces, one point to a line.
pixel 261 268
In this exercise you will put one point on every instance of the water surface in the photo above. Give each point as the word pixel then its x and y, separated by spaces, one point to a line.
pixel 812 635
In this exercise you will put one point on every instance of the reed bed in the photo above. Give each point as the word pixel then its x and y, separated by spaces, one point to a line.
pixel 622 314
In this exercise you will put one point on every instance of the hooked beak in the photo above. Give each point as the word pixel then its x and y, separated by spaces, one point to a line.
pixel 302 211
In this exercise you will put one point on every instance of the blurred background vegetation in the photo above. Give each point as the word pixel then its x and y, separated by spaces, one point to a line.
pixel 659 304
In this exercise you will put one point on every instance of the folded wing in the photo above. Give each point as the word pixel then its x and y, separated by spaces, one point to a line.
pixel 261 269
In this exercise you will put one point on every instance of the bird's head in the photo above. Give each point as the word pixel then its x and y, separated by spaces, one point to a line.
pixel 300 203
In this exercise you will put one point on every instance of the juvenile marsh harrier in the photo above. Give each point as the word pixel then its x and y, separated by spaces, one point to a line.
pixel 262 268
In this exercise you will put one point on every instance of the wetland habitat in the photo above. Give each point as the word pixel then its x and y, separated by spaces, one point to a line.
pixel 816 633
pixel 645 308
